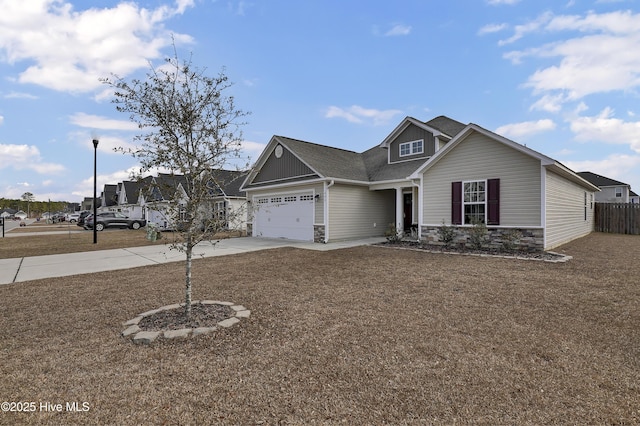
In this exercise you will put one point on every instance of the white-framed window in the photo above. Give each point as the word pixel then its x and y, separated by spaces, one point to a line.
pixel 290 199
pixel 306 197
pixel 276 200
pixel 585 205
pixel 618 192
pixel 474 197
pixel 411 148
pixel 220 211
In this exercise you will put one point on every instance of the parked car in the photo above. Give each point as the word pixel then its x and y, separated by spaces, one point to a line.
pixel 72 217
pixel 83 215
pixel 57 217
pixel 112 219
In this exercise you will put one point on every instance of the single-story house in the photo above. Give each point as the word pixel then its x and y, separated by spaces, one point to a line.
pixel 421 177
pixel 7 213
pixel 611 190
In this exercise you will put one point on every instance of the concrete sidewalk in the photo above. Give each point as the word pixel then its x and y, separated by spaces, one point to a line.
pixel 61 265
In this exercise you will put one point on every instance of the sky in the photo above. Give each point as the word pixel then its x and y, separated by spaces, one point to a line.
pixel 559 76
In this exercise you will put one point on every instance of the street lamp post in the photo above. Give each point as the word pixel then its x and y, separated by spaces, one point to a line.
pixel 95 176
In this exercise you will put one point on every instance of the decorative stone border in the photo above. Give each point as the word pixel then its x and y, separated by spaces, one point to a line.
pixel 148 337
pixel 558 257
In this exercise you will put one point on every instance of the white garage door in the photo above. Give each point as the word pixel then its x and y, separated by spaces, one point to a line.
pixel 287 216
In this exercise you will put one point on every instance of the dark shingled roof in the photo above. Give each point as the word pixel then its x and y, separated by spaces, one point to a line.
pixel 446 125
pixel 229 182
pixel 327 160
pixel 600 181
pixel 110 197
pixel 369 166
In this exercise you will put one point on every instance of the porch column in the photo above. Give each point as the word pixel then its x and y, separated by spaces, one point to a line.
pixel 399 212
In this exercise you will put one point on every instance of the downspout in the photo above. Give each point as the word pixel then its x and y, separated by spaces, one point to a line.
pixel 326 209
pixel 543 205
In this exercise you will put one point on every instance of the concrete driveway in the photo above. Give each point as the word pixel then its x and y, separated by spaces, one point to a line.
pixel 60 265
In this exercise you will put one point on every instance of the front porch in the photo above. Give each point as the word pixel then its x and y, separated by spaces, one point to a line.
pixel 406 222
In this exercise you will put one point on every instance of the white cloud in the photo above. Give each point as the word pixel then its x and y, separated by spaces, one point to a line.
pixel 620 167
pixel 252 149
pixel 19 95
pixel 526 128
pixel 25 157
pixel 602 56
pixel 398 30
pixel 605 128
pixel 96 122
pixel 357 114
pixel 548 103
pixel 1 120
pixel 108 143
pixel 84 188
pixel 523 29
pixel 492 28
pixel 70 50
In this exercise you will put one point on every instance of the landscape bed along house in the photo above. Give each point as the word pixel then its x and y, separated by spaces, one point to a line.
pixel 421 177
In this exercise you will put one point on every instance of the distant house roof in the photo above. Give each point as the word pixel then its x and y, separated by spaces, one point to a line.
pixel 7 212
pixel 110 196
pixel 228 182
pixel 600 181
pixel 131 190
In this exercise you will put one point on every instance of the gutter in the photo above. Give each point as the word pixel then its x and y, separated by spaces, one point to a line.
pixel 326 209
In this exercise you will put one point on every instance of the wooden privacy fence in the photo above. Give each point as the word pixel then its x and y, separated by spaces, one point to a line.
pixel 618 218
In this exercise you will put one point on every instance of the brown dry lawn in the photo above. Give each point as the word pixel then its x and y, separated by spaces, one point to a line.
pixel 70 238
pixel 368 335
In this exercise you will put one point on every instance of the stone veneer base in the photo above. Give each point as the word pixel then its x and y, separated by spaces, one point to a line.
pixel 147 337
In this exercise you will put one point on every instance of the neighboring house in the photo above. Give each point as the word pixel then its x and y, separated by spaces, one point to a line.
pixel 634 198
pixel 127 199
pixel 226 203
pixel 20 215
pixel 108 201
pixel 8 213
pixel 611 191
pixel 156 199
pixel 422 176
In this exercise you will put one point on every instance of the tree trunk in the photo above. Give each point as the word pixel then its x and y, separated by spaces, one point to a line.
pixel 187 287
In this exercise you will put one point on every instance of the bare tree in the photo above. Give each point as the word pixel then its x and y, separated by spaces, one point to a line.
pixel 190 127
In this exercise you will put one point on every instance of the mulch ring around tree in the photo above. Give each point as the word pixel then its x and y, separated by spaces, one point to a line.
pixel 171 322
pixel 175 319
pixel 545 256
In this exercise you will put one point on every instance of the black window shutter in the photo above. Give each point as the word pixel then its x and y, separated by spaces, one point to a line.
pixel 456 203
pixel 493 202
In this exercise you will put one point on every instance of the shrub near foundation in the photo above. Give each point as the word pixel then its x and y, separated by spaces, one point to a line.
pixel 478 234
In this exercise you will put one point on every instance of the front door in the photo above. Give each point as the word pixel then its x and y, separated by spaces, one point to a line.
pixel 408 211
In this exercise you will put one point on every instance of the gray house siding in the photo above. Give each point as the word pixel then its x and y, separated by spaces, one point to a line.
pixel 412 133
pixel 357 212
pixel 567 204
pixel 477 158
pixel 286 167
pixel 608 194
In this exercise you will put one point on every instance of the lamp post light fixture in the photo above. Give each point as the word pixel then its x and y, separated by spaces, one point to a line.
pixel 95 176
